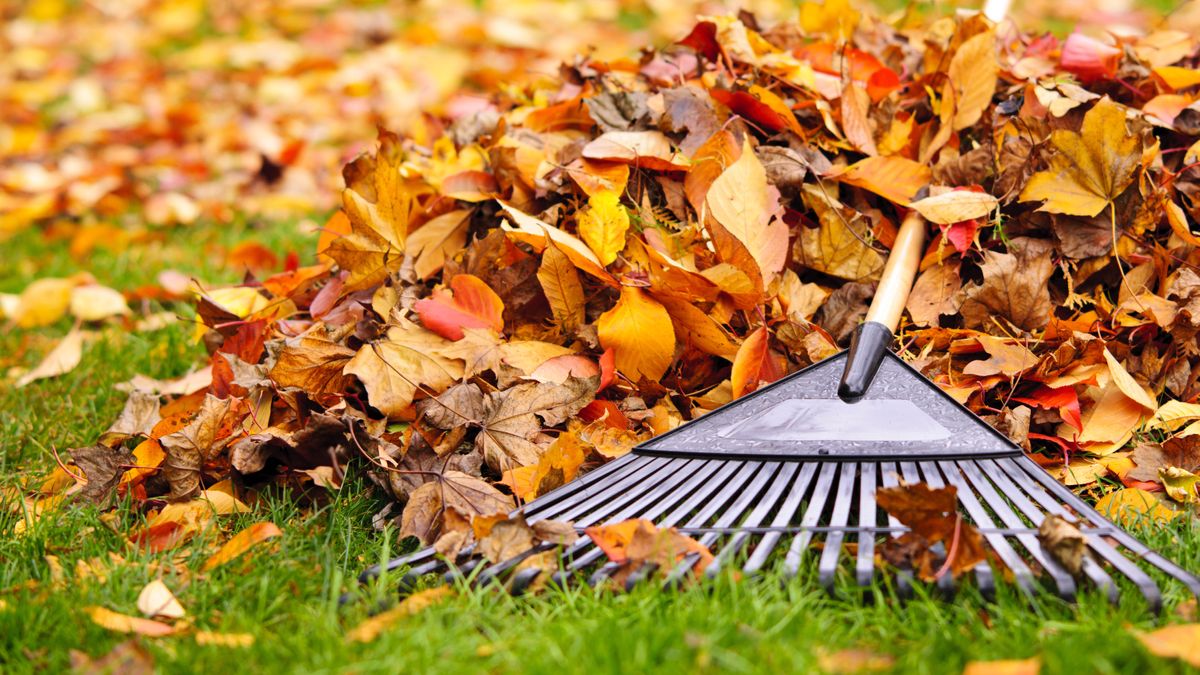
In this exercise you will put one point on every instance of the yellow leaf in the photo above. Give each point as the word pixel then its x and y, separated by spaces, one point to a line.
pixel 123 623
pixel 243 541
pixel 638 329
pixel 1127 384
pixel 1179 484
pixel 232 640
pixel 96 303
pixel 62 359
pixel 1174 642
pixel 740 202
pixel 561 286
pixel 894 178
pixel 435 240
pixel 603 225
pixel 381 195
pixel 417 602
pixel 1133 506
pixel 835 18
pixel 835 248
pixel 972 77
pixel 43 302
pixel 955 206
pixel 1174 414
pixel 534 232
pixel 1177 77
pixel 1090 168
pixel 1004 667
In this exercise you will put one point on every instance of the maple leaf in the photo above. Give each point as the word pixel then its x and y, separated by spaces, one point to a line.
pixel 511 426
pixel 406 361
pixel 381 195
pixel 1089 168
pixel 422 517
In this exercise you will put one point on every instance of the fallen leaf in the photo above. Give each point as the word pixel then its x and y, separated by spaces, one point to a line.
pixel 955 206
pixel 241 543
pixel 1173 642
pixel 230 640
pixel 469 303
pixel 406 361
pixel 854 661
pixel 416 603
pixel 65 356
pixel 122 623
pixel 932 516
pixel 1031 666
pixel 126 658
pixel 603 225
pixel 560 283
pixel 1014 287
pixel 157 601
pixel 1132 507
pixel 755 364
pixel 744 206
pixel 1064 542
pixel 639 331
pixel 94 302
pixel 1090 168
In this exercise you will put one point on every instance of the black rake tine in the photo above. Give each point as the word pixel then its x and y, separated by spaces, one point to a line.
pixel 1063 580
pixel 774 492
pixel 828 562
pixel 868 519
pixel 945 583
pixel 787 512
pixel 812 516
pixel 1017 493
pixel 1007 554
pixel 890 477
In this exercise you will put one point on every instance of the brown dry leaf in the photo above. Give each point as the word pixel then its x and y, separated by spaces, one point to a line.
pixel 202 439
pixel 511 427
pixel 59 361
pixel 103 467
pixel 123 623
pixel 639 331
pixel 1064 542
pixel 937 292
pixel 932 516
pixel 839 245
pixel 313 362
pixel 406 361
pixel 1014 287
pixel 1174 642
pixel 418 602
pixel 634 543
pixel 1006 357
pixel 422 517
pixel 560 283
pixel 856 108
pixel 127 658
pixel 557 466
pixel 241 543
pixel 1088 169
pixel 1152 458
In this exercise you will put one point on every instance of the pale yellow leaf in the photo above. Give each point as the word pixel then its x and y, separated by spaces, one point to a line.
pixel 62 359
pixel 156 600
pixel 955 206
pixel 96 303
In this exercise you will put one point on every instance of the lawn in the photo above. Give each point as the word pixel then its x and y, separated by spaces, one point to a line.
pixel 291 604
pixel 288 598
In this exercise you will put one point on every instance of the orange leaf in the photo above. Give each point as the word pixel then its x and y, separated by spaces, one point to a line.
pixel 242 542
pixel 639 331
pixel 754 363
pixel 123 623
pixel 894 178
pixel 469 303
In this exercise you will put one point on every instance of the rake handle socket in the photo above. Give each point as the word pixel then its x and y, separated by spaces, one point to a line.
pixel 872 338
pixel 867 347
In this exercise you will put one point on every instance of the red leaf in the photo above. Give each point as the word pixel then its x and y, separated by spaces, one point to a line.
pixel 703 39
pixel 604 410
pixel 468 303
pixel 1064 399
pixel 1089 58
pixel 608 368
pixel 962 234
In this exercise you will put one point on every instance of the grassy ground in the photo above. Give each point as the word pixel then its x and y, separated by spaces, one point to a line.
pixel 288 599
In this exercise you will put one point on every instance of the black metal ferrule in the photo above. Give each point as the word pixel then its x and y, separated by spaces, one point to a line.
pixel 867 347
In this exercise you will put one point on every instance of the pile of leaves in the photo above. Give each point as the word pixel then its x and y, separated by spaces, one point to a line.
pixel 525 291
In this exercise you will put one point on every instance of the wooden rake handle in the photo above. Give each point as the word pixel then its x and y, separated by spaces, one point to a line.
pixel 871 339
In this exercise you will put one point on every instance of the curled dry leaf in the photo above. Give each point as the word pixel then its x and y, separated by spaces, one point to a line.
pixel 1064 542
pixel 157 601
pixel 123 623
pixel 61 360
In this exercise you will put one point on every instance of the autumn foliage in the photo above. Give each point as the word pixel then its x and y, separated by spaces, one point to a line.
pixel 519 293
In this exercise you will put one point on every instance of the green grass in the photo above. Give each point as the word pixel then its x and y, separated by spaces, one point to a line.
pixel 286 594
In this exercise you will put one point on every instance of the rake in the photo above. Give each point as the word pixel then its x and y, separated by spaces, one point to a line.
pixel 790 473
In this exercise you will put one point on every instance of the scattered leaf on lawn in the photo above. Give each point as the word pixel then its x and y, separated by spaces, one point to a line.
pixel 231 640
pixel 418 602
pixel 123 623
pixel 241 543
pixel 62 359
pixel 1132 506
pixel 157 601
pixel 1174 642
pixel 1031 666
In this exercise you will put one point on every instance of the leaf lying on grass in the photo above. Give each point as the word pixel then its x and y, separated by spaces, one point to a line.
pixel 123 623
pixel 241 543
pixel 373 627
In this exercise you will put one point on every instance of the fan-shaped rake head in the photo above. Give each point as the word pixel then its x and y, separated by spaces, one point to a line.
pixel 756 515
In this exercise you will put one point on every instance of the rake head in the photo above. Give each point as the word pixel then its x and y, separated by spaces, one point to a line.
pixel 768 501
